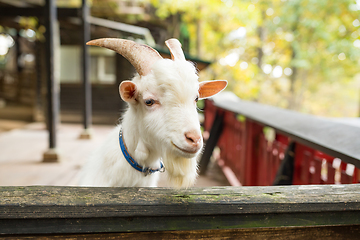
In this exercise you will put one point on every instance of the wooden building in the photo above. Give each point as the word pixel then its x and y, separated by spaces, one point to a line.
pixel 48 72
pixel 23 70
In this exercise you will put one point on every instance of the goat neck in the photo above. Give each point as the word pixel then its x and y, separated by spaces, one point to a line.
pixel 135 143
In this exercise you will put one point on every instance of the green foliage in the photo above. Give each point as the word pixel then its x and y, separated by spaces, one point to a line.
pixel 315 40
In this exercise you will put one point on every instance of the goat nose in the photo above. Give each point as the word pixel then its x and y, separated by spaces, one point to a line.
pixel 193 138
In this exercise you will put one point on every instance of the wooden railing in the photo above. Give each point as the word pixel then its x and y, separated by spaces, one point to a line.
pixel 18 87
pixel 286 212
pixel 264 145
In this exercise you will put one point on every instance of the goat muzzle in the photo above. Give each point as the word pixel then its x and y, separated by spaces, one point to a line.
pixel 193 143
pixel 193 139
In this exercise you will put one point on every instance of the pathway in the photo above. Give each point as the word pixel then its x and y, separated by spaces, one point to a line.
pixel 21 153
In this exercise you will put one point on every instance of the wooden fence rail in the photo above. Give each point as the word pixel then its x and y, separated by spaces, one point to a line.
pixel 316 150
pixel 291 212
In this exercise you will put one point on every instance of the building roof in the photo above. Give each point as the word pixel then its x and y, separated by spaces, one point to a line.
pixel 141 33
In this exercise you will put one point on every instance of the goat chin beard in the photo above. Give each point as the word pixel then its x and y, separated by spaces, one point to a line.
pixel 181 172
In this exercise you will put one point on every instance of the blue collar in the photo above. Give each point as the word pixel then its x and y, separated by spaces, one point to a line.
pixel 133 163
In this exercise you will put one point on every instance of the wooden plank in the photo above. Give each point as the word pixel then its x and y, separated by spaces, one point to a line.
pixel 36 11
pixel 288 233
pixel 331 137
pixel 45 210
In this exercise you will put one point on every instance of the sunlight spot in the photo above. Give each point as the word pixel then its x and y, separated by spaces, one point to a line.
pixel 230 59
pixel 279 31
pixel 255 60
pixel 268 48
pixel 228 3
pixel 342 56
pixel 289 37
pixel 288 71
pixel 244 65
pixel 269 11
pixel 240 50
pixel 251 7
pixel 355 7
pixel 357 43
pixel 29 58
pixel 277 72
pixel 30 33
pixel 276 20
pixel 267 68
pixel 3 50
pixel 6 42
pixel 356 23
pixel 237 34
pixel 222 61
pixel 342 29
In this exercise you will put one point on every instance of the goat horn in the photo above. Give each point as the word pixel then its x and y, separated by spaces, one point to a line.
pixel 140 56
pixel 175 49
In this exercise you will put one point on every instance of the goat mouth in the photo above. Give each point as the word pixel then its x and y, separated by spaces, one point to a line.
pixel 189 151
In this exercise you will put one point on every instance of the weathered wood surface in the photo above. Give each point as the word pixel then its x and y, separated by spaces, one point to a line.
pixel 329 136
pixel 66 210
pixel 287 233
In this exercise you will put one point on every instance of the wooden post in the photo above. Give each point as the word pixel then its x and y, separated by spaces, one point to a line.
pixel 51 154
pixel 252 136
pixel 87 107
pixel 19 75
pixel 303 157
pixel 39 64
pixel 215 134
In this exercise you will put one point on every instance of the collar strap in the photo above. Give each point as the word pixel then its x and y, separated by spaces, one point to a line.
pixel 133 163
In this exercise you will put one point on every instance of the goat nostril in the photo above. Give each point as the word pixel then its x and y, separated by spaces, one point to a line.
pixel 193 138
pixel 190 139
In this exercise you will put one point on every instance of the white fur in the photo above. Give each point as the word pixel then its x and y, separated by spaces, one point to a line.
pixel 151 132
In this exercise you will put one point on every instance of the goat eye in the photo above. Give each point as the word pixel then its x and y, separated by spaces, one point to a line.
pixel 197 99
pixel 149 102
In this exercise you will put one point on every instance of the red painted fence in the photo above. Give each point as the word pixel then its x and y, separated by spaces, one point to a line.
pixel 254 159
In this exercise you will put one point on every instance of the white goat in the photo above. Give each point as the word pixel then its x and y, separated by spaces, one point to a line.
pixel 160 123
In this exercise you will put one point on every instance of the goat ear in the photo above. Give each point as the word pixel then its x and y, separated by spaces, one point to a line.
pixel 128 91
pixel 210 88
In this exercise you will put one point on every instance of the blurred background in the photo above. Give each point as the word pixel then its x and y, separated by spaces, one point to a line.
pixel 299 54
pixel 302 55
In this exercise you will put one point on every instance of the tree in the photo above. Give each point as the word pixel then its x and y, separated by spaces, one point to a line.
pixel 289 53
